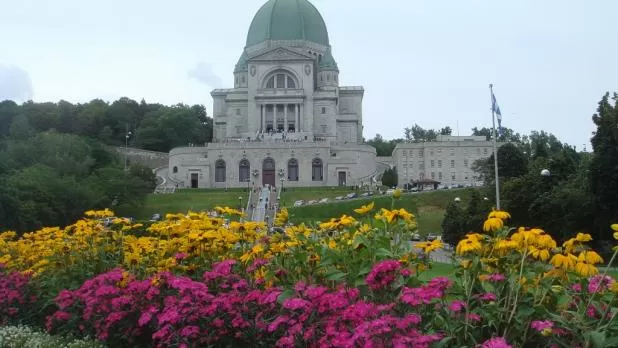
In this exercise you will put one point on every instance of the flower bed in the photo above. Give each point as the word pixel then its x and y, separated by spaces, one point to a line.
pixel 195 280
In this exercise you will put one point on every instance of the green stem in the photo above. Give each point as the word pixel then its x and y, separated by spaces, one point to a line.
pixel 602 277
pixel 521 271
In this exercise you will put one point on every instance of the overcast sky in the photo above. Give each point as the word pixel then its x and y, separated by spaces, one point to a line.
pixel 425 62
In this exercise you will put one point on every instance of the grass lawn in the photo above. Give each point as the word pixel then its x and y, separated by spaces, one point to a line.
pixel 438 270
pixel 185 200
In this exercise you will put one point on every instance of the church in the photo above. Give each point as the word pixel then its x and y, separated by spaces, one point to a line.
pixel 287 121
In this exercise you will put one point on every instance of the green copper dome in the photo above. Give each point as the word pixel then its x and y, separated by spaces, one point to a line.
pixel 328 62
pixel 287 20
pixel 241 66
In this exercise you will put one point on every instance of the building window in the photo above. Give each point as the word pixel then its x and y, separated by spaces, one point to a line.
pixel 478 150
pixel 323 111
pixel 237 112
pixel 433 175
pixel 465 152
pixel 453 176
pixel 452 151
pixel 317 170
pixel 433 163
pixel 420 153
pixel 439 151
pixel 466 163
pixel 175 170
pixel 293 170
pixel 452 163
pixel 243 171
pixel 485 151
pixel 410 165
pixel 421 175
pixel 431 153
pixel 439 175
pixel 439 163
pixel 405 153
pixel 411 153
pixel 421 165
pixel 242 78
pixel 281 80
pixel 220 171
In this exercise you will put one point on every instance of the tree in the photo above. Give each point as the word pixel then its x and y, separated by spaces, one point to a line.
pixel 512 163
pixel 8 111
pixel 383 148
pixel 418 133
pixel 389 177
pixel 603 176
pixel 453 225
pixel 446 131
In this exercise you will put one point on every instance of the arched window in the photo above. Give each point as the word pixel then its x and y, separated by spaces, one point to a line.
pixel 175 170
pixel 243 171
pixel 317 170
pixel 220 171
pixel 293 170
pixel 281 79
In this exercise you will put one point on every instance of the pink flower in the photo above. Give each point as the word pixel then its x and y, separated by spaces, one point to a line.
pixel 473 317
pixel 599 283
pixel 457 306
pixel 296 303
pixel 540 325
pixel 180 256
pixel 497 342
pixel 488 296
pixel 496 277
pixel 382 274
pixel 576 287
pixel 406 272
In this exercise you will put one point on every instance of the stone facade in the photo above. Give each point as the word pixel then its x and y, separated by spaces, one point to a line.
pixel 286 117
pixel 448 160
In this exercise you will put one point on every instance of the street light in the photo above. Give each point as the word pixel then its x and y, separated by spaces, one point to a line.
pixel 240 202
pixel 545 172
pixel 126 148
pixel 457 199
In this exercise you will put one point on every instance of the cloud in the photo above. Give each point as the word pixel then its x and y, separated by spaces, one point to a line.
pixel 204 74
pixel 15 84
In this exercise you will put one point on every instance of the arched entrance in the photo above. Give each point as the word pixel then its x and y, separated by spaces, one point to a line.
pixel 268 172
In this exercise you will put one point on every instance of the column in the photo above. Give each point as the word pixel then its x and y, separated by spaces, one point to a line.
pixel 263 119
pixel 285 117
pixel 300 118
pixel 297 119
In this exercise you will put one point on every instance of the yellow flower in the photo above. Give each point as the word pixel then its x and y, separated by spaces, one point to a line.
pixel 564 261
pixel 428 247
pixel 340 223
pixel 493 224
pixel 585 269
pixel 614 287
pixel 583 237
pixel 590 257
pixel 282 217
pixel 547 331
pixel 395 215
pixel 569 245
pixel 540 254
pixel 505 245
pixel 365 209
pixel 397 194
pixel 332 244
pixel 498 214
pixel 615 229
pixel 467 245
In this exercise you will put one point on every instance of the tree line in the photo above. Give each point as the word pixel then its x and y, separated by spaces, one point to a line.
pixel 149 126
pixel 576 194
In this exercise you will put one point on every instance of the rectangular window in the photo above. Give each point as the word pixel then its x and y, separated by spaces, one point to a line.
pixel 478 150
pixel 431 153
pixel 452 163
pixel 433 175
pixel 421 165
pixel 237 112
pixel 439 163
pixel 323 111
pixel 439 151
pixel 452 151
pixel 465 151
pixel 280 81
pixel 466 163
pixel 420 153
pixel 410 165
pixel 453 176
pixel 439 175
pixel 411 153
pixel 485 151
pixel 421 176
pixel 433 163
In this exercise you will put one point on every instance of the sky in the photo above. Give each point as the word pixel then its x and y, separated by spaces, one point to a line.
pixel 424 62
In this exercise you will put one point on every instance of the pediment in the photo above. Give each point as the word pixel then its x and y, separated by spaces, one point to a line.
pixel 279 53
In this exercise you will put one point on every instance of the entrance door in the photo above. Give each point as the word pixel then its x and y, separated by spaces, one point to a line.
pixel 268 172
pixel 342 176
pixel 194 180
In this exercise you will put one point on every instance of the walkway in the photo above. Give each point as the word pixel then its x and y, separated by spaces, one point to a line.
pixel 261 206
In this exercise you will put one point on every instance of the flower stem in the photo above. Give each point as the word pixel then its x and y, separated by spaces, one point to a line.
pixel 521 271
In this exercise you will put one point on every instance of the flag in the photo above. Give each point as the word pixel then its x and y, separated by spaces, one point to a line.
pixel 496 109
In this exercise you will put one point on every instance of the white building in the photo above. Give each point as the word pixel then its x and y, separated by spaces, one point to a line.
pixel 286 117
pixel 447 160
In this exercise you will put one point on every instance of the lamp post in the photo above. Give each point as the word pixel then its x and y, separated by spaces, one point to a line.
pixel 280 189
pixel 126 148
pixel 240 202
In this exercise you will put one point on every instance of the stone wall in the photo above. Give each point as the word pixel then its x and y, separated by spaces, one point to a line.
pixel 151 159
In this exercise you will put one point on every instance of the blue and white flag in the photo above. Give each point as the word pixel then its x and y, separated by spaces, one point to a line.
pixel 496 109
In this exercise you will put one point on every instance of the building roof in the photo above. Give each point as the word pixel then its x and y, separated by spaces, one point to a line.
pixel 328 62
pixel 288 20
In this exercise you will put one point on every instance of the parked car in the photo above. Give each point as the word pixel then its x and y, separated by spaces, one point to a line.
pixel 351 195
pixel 312 202
pixel 338 198
pixel 155 217
pixel 323 200
pixel 299 203
pixel 390 191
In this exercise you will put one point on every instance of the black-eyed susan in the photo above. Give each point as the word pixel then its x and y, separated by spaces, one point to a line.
pixel 395 215
pixel 566 262
pixel 282 217
pixel 583 237
pixel 397 194
pixel 502 215
pixel 365 209
pixel 585 269
pixel 339 223
pixel 468 245
pixel 429 247
pixel 493 224
pixel 615 229
pixel 538 253
pixel 590 257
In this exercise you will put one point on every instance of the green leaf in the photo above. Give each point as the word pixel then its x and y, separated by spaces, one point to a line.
pixel 596 338
pixel 383 252
pixel 336 275
pixel 285 295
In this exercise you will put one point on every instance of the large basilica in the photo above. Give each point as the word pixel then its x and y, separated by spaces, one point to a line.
pixel 287 118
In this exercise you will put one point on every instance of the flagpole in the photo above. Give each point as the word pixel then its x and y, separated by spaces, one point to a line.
pixel 493 121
